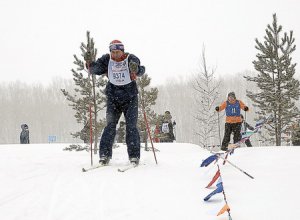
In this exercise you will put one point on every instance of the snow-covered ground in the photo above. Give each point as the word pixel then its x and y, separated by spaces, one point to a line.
pixel 43 182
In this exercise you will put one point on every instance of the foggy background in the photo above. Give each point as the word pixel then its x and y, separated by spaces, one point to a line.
pixel 46 111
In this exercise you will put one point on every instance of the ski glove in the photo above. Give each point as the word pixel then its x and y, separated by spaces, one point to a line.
pixel 133 76
pixel 246 108
pixel 133 67
pixel 217 108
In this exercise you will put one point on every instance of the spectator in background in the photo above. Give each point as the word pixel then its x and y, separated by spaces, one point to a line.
pixel 167 134
pixel 24 136
pixel 296 134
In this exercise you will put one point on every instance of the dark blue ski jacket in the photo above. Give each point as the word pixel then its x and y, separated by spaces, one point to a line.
pixel 100 67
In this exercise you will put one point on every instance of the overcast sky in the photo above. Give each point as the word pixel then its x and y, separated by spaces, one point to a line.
pixel 39 37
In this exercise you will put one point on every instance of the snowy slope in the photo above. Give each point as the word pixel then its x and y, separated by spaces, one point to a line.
pixel 42 182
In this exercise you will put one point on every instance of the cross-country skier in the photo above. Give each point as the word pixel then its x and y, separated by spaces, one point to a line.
pixel 233 109
pixel 122 70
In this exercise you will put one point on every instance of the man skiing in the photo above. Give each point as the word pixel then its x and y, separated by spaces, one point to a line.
pixel 122 70
pixel 233 109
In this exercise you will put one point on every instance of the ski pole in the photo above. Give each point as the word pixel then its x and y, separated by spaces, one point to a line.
pixel 235 166
pixel 145 117
pixel 219 129
pixel 95 116
pixel 90 110
pixel 174 126
pixel 147 126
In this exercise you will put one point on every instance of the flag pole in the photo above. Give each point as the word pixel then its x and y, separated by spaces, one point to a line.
pixel 224 195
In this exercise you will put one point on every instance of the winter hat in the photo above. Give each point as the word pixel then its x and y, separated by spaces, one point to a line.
pixel 231 94
pixel 116 45
pixel 24 126
pixel 167 115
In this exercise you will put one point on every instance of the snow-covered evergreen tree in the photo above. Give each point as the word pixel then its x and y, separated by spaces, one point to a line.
pixel 88 95
pixel 278 89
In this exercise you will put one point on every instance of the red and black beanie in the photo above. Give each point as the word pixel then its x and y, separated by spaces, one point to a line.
pixel 116 45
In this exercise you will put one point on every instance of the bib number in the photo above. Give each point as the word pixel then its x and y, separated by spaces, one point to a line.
pixel 118 75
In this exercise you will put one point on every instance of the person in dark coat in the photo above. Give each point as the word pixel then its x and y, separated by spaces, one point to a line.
pixel 85 133
pixel 244 127
pixel 24 136
pixel 122 69
pixel 296 134
pixel 233 109
pixel 167 134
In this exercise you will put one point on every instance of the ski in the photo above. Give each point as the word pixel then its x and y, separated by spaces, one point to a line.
pixel 246 135
pixel 93 167
pixel 215 157
pixel 226 156
pixel 120 169
pixel 230 150
pixel 127 167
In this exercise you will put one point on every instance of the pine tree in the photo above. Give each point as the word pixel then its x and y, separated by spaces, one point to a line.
pixel 85 97
pixel 278 89
pixel 207 88
pixel 147 98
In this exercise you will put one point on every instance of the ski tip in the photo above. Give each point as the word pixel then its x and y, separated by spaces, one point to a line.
pixel 83 170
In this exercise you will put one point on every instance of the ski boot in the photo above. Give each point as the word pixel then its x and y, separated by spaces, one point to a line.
pixel 104 160
pixel 135 161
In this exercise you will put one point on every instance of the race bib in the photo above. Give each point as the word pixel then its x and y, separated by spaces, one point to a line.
pixel 233 109
pixel 118 72
pixel 165 128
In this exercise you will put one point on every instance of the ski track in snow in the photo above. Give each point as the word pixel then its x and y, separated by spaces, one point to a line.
pixel 44 182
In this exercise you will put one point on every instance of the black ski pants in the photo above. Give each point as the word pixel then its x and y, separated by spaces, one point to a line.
pixel 248 143
pixel 115 107
pixel 230 128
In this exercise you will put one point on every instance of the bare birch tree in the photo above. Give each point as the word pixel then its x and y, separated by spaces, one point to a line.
pixel 206 117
